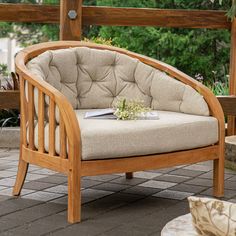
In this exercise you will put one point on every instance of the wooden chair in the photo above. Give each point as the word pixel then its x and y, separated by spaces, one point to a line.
pixel 50 132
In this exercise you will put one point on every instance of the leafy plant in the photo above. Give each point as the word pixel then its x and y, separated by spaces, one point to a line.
pixel 129 110
pixel 9 117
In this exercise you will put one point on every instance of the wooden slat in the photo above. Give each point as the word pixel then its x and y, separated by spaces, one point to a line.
pixel 45 160
pixel 31 115
pixel 118 16
pixel 132 164
pixel 52 127
pixel 29 13
pixel 63 152
pixel 70 29
pixel 41 114
pixel 10 99
pixel 228 104
pixel 232 71
pixel 155 17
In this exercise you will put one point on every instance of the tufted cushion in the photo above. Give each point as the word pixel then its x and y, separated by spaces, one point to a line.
pixel 172 132
pixel 93 78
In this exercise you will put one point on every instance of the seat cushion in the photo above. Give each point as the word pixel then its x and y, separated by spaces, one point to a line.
pixel 174 131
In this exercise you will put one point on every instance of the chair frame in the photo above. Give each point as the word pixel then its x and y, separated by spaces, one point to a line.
pixel 70 163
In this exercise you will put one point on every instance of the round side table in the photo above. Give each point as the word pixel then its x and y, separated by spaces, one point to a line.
pixel 180 226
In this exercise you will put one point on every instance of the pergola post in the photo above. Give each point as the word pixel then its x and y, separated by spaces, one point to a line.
pixel 231 129
pixel 71 19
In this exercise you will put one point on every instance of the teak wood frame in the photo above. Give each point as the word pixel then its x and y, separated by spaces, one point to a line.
pixel 71 164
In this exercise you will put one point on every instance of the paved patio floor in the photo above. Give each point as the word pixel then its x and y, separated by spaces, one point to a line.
pixel 112 205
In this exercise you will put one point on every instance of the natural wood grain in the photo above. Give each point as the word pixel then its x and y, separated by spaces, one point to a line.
pixel 52 126
pixel 231 129
pixel 75 167
pixel 45 160
pixel 129 175
pixel 21 175
pixel 41 114
pixel 63 150
pixel 9 99
pixel 138 163
pixel 155 17
pixel 29 13
pixel 31 115
pixel 117 16
pixel 70 29
pixel 228 104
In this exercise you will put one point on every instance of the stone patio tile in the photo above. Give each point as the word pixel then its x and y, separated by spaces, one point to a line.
pixel 87 183
pixel 230 185
pixel 8 192
pixel 188 188
pixel 5 174
pixel 13 169
pixel 198 167
pixel 35 185
pixel 32 176
pixel 201 182
pixel 4 198
pixel 54 179
pixel 184 172
pixel 157 184
pixel 16 204
pixel 133 181
pixel 44 172
pixel 5 167
pixel 2 187
pixel 164 170
pixel 9 182
pixel 171 194
pixel 41 226
pixel 209 175
pixel 61 200
pixel 232 178
pixel 103 177
pixel 227 193
pixel 143 191
pixel 145 175
pixel 57 189
pixel 28 215
pixel 111 187
pixel 42 196
pixel 172 178
pixel 95 193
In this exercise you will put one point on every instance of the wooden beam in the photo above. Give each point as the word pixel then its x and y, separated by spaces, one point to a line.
pixel 228 104
pixel 29 13
pixel 232 72
pixel 71 24
pixel 9 99
pixel 155 17
pixel 116 16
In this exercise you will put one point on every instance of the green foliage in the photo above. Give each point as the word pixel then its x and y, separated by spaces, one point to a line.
pixel 194 51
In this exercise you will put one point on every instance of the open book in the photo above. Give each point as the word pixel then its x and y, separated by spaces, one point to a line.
pixel 108 113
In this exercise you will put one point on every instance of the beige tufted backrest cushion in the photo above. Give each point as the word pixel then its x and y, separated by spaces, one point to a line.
pixel 93 78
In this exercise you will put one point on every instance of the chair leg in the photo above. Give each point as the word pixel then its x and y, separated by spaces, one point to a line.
pixel 21 174
pixel 74 197
pixel 129 175
pixel 218 177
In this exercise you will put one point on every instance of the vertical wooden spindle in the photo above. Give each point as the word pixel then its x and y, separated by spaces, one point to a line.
pixel 51 127
pixel 31 115
pixel 41 115
pixel 63 152
pixel 23 115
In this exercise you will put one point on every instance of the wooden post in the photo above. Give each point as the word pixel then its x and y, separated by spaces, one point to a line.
pixel 232 71
pixel 71 19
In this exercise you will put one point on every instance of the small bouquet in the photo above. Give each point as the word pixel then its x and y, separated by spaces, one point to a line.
pixel 129 109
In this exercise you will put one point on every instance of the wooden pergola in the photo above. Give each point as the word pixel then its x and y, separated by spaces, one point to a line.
pixel 72 15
